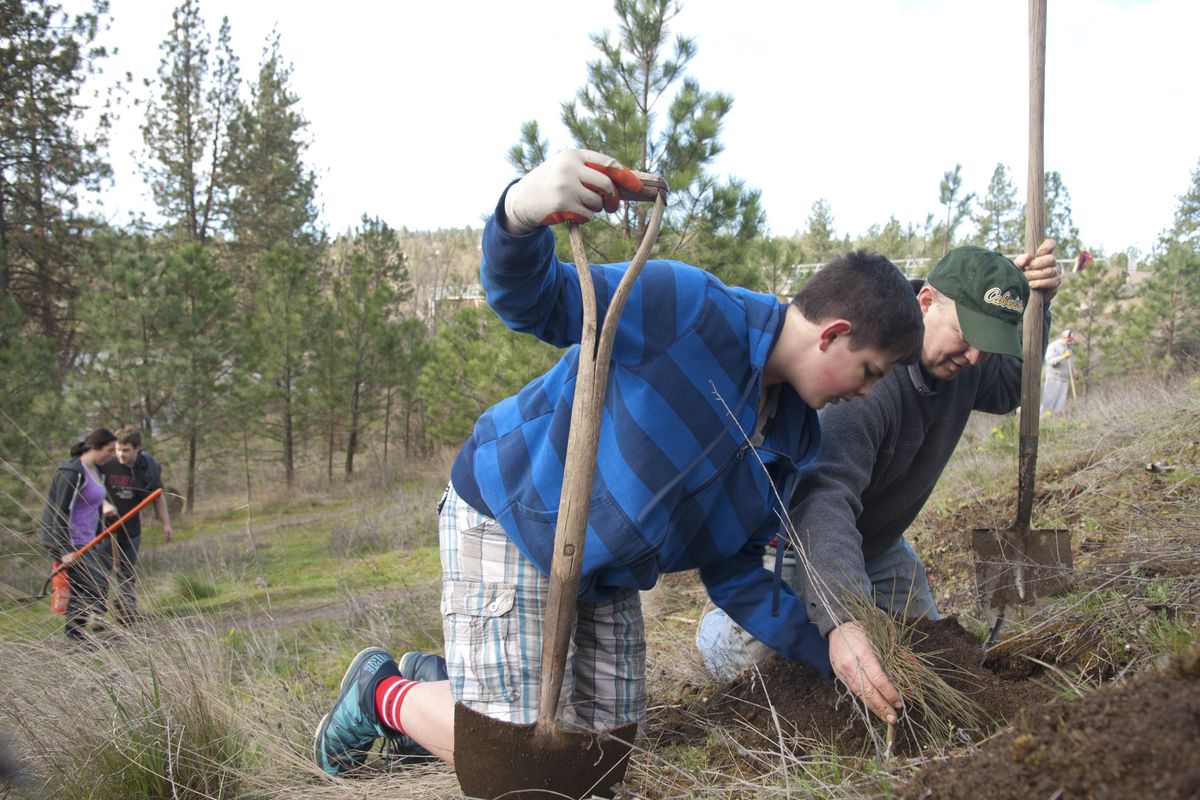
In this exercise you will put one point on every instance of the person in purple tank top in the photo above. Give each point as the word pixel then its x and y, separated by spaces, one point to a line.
pixel 75 505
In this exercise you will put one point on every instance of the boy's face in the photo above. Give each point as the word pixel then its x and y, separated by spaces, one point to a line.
pixel 127 454
pixel 843 373
pixel 945 352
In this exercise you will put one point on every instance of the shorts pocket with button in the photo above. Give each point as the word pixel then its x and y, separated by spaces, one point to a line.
pixel 481 637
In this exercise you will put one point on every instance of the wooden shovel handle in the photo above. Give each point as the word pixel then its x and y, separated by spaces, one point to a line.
pixel 1033 329
pixel 579 468
pixel 652 186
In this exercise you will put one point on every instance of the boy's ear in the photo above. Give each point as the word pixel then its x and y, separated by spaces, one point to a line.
pixel 831 331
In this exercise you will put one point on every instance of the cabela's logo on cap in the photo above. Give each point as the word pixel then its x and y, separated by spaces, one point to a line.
pixel 1007 300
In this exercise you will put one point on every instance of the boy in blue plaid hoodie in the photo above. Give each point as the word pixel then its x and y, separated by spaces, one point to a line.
pixel 709 418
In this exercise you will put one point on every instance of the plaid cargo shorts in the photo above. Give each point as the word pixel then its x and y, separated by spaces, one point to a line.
pixel 493 606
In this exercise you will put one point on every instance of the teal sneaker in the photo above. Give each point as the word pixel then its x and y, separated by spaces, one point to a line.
pixel 414 666
pixel 347 733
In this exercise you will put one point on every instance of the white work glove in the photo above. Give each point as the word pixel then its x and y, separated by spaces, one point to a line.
pixel 569 187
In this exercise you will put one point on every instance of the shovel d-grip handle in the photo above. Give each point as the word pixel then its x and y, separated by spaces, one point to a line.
pixel 1033 327
pixel 579 468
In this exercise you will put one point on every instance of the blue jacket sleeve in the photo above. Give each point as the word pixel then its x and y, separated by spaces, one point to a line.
pixel 528 287
pixel 532 292
pixel 742 588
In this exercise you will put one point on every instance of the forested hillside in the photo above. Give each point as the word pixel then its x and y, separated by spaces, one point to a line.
pixel 252 345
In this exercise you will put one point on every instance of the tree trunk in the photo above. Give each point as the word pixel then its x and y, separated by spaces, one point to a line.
pixel 246 462
pixel 352 438
pixel 387 423
pixel 191 470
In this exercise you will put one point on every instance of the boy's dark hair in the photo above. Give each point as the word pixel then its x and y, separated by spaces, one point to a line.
pixel 870 292
pixel 95 440
pixel 129 435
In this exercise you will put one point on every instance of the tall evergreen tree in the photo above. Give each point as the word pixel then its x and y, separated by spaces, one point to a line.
pixel 368 288
pixel 1088 304
pixel 819 241
pixel 1168 317
pixel 123 372
pixel 277 347
pixel 406 352
pixel 45 162
pixel 997 217
pixel 620 112
pixel 198 313
pixel 273 190
pixel 186 126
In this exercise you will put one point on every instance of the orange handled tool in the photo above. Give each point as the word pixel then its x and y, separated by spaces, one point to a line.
pixel 128 515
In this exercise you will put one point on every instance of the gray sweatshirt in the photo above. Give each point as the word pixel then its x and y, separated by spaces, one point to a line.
pixel 1058 366
pixel 880 458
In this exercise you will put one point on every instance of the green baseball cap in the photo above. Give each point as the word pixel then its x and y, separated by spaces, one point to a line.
pixel 990 294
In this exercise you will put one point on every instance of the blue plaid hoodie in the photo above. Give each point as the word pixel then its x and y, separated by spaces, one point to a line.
pixel 677 485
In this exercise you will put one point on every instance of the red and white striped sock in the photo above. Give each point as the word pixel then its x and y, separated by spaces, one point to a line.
pixel 389 696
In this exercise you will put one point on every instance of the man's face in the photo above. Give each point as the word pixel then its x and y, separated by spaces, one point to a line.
pixel 945 353
pixel 845 373
pixel 127 454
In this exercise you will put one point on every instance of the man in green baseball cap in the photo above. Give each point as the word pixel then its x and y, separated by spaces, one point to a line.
pixel 881 457
pixel 989 293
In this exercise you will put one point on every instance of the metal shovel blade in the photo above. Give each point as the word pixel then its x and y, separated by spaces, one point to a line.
pixel 1015 567
pixel 528 762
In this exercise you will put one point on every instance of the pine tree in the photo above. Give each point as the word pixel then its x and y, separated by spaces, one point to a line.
pixel 1088 304
pixel 819 242
pixel 369 285
pixel 272 190
pixel 639 70
pixel 197 316
pixel 996 220
pixel 123 371
pixel 185 132
pixel 1168 317
pixel 277 350
pixel 45 162
pixel 889 240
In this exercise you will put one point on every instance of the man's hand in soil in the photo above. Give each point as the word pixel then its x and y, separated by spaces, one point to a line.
pixel 855 664
pixel 1041 269
pixel 571 186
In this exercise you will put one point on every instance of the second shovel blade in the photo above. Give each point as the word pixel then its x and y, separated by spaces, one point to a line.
pixel 1015 567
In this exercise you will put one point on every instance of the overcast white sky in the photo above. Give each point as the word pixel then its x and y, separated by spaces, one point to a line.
pixel 412 106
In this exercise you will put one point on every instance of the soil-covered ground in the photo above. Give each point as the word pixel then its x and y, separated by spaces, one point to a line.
pixel 1134 739
pixel 1138 739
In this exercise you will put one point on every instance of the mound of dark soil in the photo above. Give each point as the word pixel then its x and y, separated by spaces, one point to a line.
pixel 1138 739
pixel 803 703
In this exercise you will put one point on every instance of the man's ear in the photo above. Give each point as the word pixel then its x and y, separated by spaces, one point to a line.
pixel 831 331
pixel 925 298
